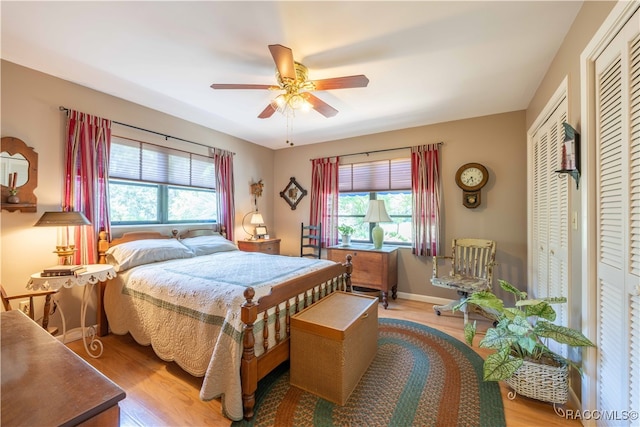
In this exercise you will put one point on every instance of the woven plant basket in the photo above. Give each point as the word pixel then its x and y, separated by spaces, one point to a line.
pixel 541 382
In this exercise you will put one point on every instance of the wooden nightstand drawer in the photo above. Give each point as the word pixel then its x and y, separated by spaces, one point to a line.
pixel 266 246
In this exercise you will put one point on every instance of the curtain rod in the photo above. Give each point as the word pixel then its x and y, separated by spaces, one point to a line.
pixel 381 151
pixel 166 137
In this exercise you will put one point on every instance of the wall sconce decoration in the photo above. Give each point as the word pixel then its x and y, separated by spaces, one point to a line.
pixel 293 193
pixel 570 161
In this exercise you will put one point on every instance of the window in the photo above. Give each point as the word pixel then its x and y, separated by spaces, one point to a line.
pixel 150 184
pixel 388 180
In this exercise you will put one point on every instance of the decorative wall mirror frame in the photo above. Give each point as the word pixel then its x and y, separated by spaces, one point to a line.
pixel 293 193
pixel 13 150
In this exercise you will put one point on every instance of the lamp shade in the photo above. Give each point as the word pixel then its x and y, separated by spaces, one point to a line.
pixel 57 219
pixel 377 212
pixel 256 218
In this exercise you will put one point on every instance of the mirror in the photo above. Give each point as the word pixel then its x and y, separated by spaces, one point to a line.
pixel 16 166
pixel 21 162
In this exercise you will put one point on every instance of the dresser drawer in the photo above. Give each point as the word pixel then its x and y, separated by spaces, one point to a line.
pixel 266 246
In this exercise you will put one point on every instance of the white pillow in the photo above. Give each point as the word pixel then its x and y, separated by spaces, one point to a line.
pixel 205 245
pixel 131 254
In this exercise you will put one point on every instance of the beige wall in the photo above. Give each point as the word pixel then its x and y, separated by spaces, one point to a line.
pixel 496 141
pixel 30 102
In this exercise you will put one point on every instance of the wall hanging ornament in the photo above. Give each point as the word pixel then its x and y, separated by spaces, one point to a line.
pixel 293 193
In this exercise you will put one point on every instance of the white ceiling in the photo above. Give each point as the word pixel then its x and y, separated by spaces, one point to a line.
pixel 427 61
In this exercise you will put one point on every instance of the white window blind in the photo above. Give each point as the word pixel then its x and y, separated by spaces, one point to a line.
pixel 381 175
pixel 144 162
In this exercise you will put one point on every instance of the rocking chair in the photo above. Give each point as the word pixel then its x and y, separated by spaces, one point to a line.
pixel 472 262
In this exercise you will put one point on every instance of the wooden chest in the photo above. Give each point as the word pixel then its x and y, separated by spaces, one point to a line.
pixel 333 342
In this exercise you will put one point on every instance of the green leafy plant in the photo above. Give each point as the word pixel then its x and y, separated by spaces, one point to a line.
pixel 519 331
pixel 346 229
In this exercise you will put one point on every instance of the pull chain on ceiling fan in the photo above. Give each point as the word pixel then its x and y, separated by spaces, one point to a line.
pixel 292 78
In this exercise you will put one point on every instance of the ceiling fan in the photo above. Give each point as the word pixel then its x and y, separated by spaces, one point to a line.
pixel 292 77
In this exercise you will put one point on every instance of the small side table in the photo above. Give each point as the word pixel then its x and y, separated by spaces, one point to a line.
pixel 96 273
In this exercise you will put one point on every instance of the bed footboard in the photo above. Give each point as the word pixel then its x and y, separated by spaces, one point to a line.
pixel 290 297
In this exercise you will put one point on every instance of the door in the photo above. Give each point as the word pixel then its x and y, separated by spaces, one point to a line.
pixel 617 121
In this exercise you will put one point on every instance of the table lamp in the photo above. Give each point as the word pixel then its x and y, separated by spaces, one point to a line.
pixel 256 219
pixel 65 245
pixel 377 213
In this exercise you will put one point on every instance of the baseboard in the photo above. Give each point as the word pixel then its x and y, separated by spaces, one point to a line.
pixel 74 334
pixel 424 298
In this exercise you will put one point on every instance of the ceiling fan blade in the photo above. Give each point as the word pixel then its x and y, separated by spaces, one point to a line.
pixel 319 105
pixel 283 57
pixel 267 112
pixel 242 86
pixel 341 82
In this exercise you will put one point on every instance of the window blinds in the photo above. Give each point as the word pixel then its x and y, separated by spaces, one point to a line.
pixel 393 174
pixel 140 161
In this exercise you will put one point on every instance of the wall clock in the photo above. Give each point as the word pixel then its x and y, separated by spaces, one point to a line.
pixel 471 177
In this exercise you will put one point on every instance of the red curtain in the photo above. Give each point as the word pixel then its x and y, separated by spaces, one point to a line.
pixel 86 180
pixel 223 161
pixel 425 186
pixel 324 198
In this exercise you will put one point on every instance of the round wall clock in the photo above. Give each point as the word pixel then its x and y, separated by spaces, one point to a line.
pixel 471 177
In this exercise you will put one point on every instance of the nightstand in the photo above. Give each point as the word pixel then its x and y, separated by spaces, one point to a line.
pixel 94 273
pixel 266 246
pixel 372 268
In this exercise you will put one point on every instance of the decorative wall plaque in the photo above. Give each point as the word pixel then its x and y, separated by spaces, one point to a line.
pixel 293 193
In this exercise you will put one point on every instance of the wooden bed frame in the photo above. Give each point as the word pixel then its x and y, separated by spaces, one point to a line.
pixel 295 294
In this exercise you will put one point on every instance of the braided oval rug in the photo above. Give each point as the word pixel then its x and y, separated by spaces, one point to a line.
pixel 419 377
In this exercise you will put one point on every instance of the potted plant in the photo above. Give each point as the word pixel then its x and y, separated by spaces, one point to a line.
pixel 521 358
pixel 346 231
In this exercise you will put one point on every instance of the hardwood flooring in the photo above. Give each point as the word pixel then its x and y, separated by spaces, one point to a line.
pixel 160 393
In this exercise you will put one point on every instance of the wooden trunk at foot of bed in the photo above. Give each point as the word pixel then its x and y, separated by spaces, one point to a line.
pixel 312 288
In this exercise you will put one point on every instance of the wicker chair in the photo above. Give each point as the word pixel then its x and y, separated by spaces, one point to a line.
pixel 6 302
pixel 472 262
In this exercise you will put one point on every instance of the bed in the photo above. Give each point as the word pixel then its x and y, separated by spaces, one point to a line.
pixel 216 311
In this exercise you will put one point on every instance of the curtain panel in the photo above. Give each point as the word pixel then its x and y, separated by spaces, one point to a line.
pixel 324 198
pixel 425 187
pixel 223 161
pixel 86 182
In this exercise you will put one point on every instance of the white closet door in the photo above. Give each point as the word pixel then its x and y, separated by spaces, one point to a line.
pixel 618 221
pixel 551 215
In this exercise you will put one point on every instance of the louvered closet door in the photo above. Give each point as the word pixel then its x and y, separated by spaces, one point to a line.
pixel 551 215
pixel 618 221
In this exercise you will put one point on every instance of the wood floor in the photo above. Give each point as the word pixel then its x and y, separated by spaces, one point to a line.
pixel 161 394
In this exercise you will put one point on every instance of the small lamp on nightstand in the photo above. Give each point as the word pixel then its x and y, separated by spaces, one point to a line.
pixel 65 245
pixel 377 213
pixel 256 219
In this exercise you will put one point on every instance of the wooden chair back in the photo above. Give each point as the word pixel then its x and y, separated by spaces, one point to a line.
pixel 473 258
pixel 311 241
pixel 6 302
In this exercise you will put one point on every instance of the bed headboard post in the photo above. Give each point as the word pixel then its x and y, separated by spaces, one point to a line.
pixel 249 363
pixel 103 245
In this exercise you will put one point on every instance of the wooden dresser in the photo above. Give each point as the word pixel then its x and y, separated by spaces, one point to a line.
pixel 45 383
pixel 372 268
pixel 266 246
